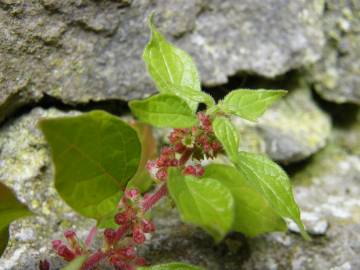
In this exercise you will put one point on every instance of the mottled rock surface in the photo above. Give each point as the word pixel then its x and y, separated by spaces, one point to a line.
pixel 80 51
pixel 91 50
pixel 294 128
pixel 337 74
pixel 327 190
pixel 25 167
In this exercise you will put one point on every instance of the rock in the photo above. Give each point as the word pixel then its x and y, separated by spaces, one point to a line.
pixel 85 50
pixel 281 251
pixel 348 135
pixel 294 128
pixel 336 76
pixel 328 192
pixel 25 167
pixel 329 187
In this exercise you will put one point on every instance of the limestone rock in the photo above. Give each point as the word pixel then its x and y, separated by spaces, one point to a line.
pixel 336 76
pixel 328 192
pixel 87 50
pixel 25 167
pixel 294 128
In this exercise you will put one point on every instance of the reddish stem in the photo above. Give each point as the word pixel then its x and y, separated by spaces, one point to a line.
pixel 150 201
pixel 120 232
pixel 90 237
pixel 185 156
pixel 93 260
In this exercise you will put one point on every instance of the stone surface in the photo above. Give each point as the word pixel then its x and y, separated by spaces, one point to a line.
pixel 291 130
pixel 329 186
pixel 294 128
pixel 25 167
pixel 81 50
pixel 327 189
pixel 328 192
pixel 336 76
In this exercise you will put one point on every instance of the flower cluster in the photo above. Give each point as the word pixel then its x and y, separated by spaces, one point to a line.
pixel 188 146
pixel 72 249
pixel 119 247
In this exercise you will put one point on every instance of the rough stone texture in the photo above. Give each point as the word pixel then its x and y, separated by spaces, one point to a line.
pixel 327 190
pixel 348 136
pixel 84 50
pixel 25 167
pixel 294 128
pixel 337 75
pixel 81 50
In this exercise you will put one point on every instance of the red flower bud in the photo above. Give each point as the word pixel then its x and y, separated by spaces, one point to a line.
pixel 150 165
pixel 66 253
pixel 132 193
pixel 167 151
pixel 180 148
pixel 216 146
pixel 161 174
pixel 148 226
pixel 174 163
pixel 161 162
pixel 56 244
pixel 109 235
pixel 199 170
pixel 138 235
pixel 69 234
pixel 127 253
pixel 190 170
pixel 121 218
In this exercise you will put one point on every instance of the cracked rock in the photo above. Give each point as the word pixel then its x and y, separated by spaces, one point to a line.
pixel 79 51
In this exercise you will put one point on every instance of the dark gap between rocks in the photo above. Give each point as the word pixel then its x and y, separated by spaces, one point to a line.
pixel 286 81
pixel 342 115
pixel 113 106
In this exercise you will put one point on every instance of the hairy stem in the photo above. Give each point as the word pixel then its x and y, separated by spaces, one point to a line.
pixel 93 260
pixel 120 232
pixel 150 201
pixel 91 236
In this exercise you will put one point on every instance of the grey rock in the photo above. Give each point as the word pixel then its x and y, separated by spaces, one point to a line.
pixel 26 168
pixel 336 75
pixel 327 190
pixel 82 50
pixel 294 128
pixel 329 187
pixel 282 251
pixel 348 136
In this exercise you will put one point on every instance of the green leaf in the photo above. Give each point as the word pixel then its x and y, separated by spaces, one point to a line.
pixel 168 65
pixel 227 134
pixel 164 110
pixel 76 264
pixel 253 214
pixel 204 202
pixel 171 266
pixel 250 104
pixel 10 210
pixel 272 182
pixel 142 179
pixel 95 154
pixel 191 96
